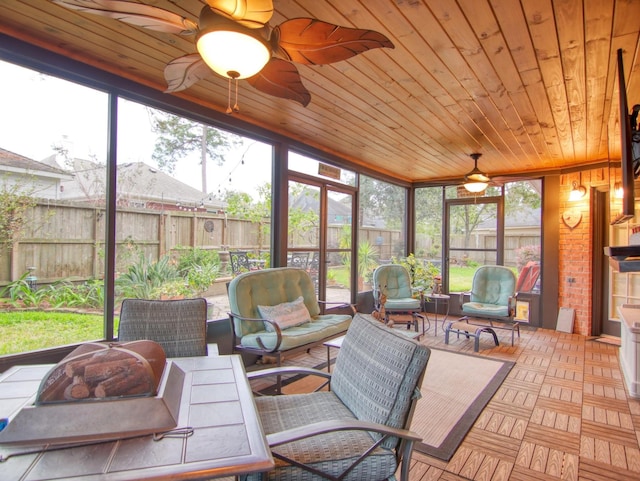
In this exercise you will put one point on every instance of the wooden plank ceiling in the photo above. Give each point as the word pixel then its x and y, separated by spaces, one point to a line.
pixel 531 84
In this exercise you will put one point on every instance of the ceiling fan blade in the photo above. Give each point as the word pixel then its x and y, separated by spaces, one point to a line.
pixel 281 79
pixel 182 72
pixel 136 14
pixel 314 42
pixel 250 13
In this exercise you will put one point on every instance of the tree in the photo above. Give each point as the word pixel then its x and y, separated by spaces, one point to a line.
pixel 14 204
pixel 382 200
pixel 178 136
pixel 242 206
pixel 303 218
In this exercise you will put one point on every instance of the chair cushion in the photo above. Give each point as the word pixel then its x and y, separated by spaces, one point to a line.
pixel 376 373
pixel 319 327
pixel 493 285
pixel 285 315
pixel 333 452
pixel 484 309
pixel 402 304
pixel 393 280
pixel 268 287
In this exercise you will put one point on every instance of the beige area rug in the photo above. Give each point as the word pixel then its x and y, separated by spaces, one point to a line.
pixel 455 389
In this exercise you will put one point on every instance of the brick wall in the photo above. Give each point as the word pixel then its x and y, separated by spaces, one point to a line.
pixel 576 248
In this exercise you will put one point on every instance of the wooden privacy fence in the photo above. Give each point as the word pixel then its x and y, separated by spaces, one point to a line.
pixel 65 241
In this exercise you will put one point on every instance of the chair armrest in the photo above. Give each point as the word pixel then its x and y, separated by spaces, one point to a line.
pixel 278 371
pixel 276 328
pixel 339 304
pixel 322 427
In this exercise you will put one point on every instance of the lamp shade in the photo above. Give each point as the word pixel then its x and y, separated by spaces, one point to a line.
pixel 475 187
pixel 230 49
pixel 577 192
pixel 476 181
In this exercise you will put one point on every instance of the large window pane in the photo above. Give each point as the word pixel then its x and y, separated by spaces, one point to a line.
pixel 190 197
pixel 51 210
pixel 382 230
pixel 523 232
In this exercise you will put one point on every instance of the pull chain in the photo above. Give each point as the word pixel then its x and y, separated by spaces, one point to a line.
pixel 236 109
pixel 229 111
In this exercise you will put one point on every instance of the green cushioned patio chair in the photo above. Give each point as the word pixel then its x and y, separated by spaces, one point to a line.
pixel 257 332
pixel 493 297
pixel 359 430
pixel 179 326
pixel 392 281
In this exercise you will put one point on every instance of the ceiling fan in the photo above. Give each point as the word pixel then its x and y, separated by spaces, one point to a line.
pixel 476 181
pixel 266 53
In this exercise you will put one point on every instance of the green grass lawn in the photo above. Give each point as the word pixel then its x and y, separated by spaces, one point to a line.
pixel 30 330
pixel 460 278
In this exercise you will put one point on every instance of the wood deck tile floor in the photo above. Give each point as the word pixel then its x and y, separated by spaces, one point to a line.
pixel 563 413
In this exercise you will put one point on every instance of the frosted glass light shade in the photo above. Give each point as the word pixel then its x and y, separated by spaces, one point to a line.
pixel 233 54
pixel 475 187
pixel 577 192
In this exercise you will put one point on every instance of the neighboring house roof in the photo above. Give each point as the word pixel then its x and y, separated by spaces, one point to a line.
pixel 137 181
pixel 19 164
pixel 526 216
pixel 308 200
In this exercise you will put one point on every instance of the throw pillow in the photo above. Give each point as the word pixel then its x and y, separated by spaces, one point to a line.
pixel 286 315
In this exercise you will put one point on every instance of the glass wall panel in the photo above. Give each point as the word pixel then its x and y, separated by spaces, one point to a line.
pixel 320 225
pixel 194 206
pixel 382 229
pixel 51 210
pixel 473 228
pixel 523 232
pixel 428 235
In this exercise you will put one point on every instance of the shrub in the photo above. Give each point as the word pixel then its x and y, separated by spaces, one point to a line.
pixel 144 278
pixel 199 267
pixel 421 272
pixel 526 254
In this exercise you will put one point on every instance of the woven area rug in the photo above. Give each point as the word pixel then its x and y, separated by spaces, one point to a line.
pixel 455 389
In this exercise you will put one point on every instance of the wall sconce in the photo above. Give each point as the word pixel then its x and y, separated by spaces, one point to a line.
pixel 578 191
pixel 618 191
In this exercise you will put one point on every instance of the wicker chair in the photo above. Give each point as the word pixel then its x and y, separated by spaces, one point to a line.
pixel 359 429
pixel 179 326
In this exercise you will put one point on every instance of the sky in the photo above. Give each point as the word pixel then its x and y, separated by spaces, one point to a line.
pixel 44 111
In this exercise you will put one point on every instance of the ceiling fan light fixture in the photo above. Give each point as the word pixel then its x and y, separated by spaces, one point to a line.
pixel 476 181
pixel 476 187
pixel 230 49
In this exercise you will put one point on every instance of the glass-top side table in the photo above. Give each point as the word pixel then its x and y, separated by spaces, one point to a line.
pixel 438 298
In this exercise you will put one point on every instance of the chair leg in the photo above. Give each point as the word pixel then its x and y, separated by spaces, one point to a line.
pixel 495 337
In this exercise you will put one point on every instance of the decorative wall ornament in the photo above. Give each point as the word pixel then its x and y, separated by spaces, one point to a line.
pixel 571 217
